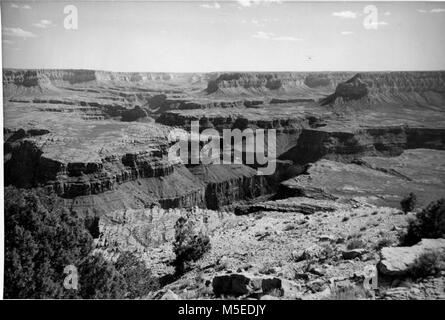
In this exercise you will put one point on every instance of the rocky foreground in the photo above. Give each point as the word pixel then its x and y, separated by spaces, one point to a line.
pixel 349 148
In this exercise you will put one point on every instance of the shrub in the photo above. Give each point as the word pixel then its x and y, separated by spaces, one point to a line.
pixel 99 279
pixel 428 264
pixel 384 242
pixel 240 123
pixel 355 244
pixel 352 292
pixel 188 246
pixel 327 253
pixel 408 203
pixel 429 223
pixel 139 280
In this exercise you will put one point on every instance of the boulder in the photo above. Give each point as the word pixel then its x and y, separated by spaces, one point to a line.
pixel 272 285
pixel 398 261
pixel 169 295
pixel 246 284
pixel 317 271
pixel 269 297
pixel 312 252
pixel 353 253
pixel 327 238
pixel 316 285
pixel 231 285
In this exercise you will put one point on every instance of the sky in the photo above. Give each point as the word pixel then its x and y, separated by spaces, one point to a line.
pixel 208 36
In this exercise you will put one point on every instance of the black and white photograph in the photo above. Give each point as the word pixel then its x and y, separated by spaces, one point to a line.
pixel 235 151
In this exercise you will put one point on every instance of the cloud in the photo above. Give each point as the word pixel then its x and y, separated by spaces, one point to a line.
pixel 286 38
pixel 271 36
pixel 16 6
pixel 251 3
pixel 346 33
pixel 345 14
pixel 263 35
pixel 214 5
pixel 435 10
pixel 18 33
pixel 44 24
pixel 375 25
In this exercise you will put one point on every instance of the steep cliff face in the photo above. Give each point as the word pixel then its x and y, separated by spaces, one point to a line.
pixel 62 77
pixel 303 83
pixel 28 78
pixel 424 87
pixel 353 89
pixel 287 128
pixel 233 119
pixel 226 184
pixel 134 114
pixel 203 186
pixel 346 145
pixel 27 167
pixel 130 180
pixel 160 104
pixel 180 189
pixel 187 78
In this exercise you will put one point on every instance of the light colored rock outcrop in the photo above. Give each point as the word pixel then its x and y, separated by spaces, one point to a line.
pixel 398 261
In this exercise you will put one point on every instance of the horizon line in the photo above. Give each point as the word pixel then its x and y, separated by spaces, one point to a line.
pixel 227 71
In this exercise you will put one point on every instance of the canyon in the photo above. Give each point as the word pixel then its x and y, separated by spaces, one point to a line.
pixel 345 143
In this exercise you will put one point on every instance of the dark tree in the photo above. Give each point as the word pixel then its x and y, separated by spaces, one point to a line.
pixel 429 223
pixel 188 246
pixel 408 203
pixel 98 279
pixel 41 239
pixel 138 278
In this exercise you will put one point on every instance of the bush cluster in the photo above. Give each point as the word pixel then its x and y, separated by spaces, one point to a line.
pixel 189 245
pixel 42 238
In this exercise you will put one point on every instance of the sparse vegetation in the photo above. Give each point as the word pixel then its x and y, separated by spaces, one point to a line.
pixel 384 242
pixel 349 293
pixel 327 252
pixel 188 246
pixel 355 243
pixel 290 227
pixel 429 223
pixel 408 203
pixel 428 264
